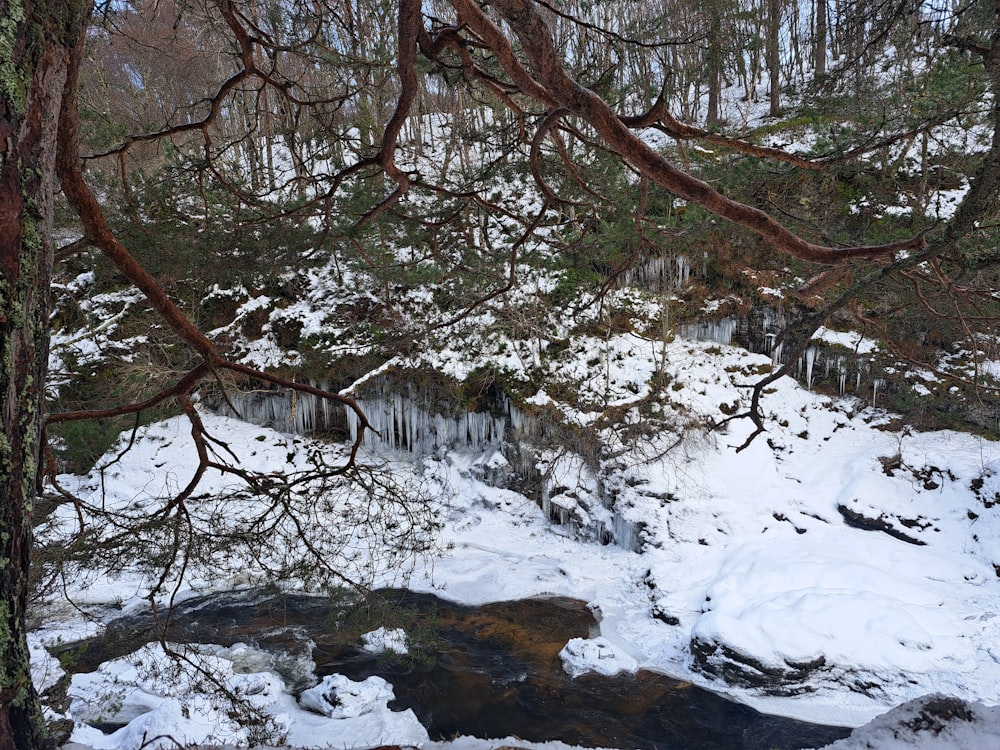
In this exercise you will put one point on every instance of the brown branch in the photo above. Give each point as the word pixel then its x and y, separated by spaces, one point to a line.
pixel 548 77
pixel 409 28
pixel 822 282
pixel 660 116
pixel 69 250
pixel 535 157
pixel 249 69
pixel 182 386
pixel 450 38
pixel 98 233
pixel 215 107
pixel 198 436
pixel 493 37
pixel 571 168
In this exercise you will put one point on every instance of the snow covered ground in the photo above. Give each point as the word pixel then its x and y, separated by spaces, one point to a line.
pixel 832 570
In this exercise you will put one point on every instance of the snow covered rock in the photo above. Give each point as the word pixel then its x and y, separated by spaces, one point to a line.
pixel 934 722
pixel 583 655
pixel 789 615
pixel 343 713
pixel 741 669
pixel 384 639
pixel 342 698
pixel 186 696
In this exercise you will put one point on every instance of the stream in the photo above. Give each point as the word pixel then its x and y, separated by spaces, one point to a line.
pixel 487 671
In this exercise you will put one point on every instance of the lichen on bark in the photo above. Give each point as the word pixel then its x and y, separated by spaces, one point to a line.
pixel 12 79
pixel 34 61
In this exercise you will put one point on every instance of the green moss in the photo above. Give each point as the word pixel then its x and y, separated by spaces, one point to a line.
pixel 69 19
pixel 13 81
pixel 6 644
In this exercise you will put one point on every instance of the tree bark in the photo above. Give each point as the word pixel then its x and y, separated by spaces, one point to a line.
pixel 36 37
pixel 774 57
pixel 819 49
pixel 713 63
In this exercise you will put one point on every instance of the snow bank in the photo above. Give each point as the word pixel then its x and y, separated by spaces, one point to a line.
pixel 164 701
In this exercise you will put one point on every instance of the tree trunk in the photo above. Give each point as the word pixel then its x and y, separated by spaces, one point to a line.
pixel 819 50
pixel 774 57
pixel 36 36
pixel 713 60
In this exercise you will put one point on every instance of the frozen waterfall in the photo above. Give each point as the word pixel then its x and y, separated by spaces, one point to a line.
pixel 281 409
pixel 402 423
pixel 660 274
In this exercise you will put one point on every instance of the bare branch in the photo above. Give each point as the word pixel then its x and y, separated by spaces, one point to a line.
pixel 549 78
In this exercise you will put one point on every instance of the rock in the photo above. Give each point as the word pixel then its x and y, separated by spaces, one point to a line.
pixel 882 523
pixel 598 655
pixel 743 670
pixel 933 722
pixel 341 698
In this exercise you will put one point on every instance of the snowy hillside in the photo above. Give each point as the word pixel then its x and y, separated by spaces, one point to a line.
pixel 832 570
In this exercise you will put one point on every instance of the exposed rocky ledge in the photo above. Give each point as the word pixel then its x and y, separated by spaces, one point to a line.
pixel 786 678
pixel 743 670
pixel 887 524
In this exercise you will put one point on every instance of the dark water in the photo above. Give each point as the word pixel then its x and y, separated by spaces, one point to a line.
pixel 488 671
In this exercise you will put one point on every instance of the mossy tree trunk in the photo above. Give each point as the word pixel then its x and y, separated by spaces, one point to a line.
pixel 35 38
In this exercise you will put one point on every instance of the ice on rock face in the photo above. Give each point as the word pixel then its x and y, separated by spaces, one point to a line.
pixel 400 420
pixel 401 423
pixel 661 274
pixel 720 331
pixel 296 412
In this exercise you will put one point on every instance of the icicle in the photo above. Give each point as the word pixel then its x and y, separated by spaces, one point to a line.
pixel 864 367
pixel 660 274
pixel 405 426
pixel 876 384
pixel 720 331
pixel 352 424
pixel 810 361
pixel 546 501
pixel 683 273
pixel 622 532
pixel 283 409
